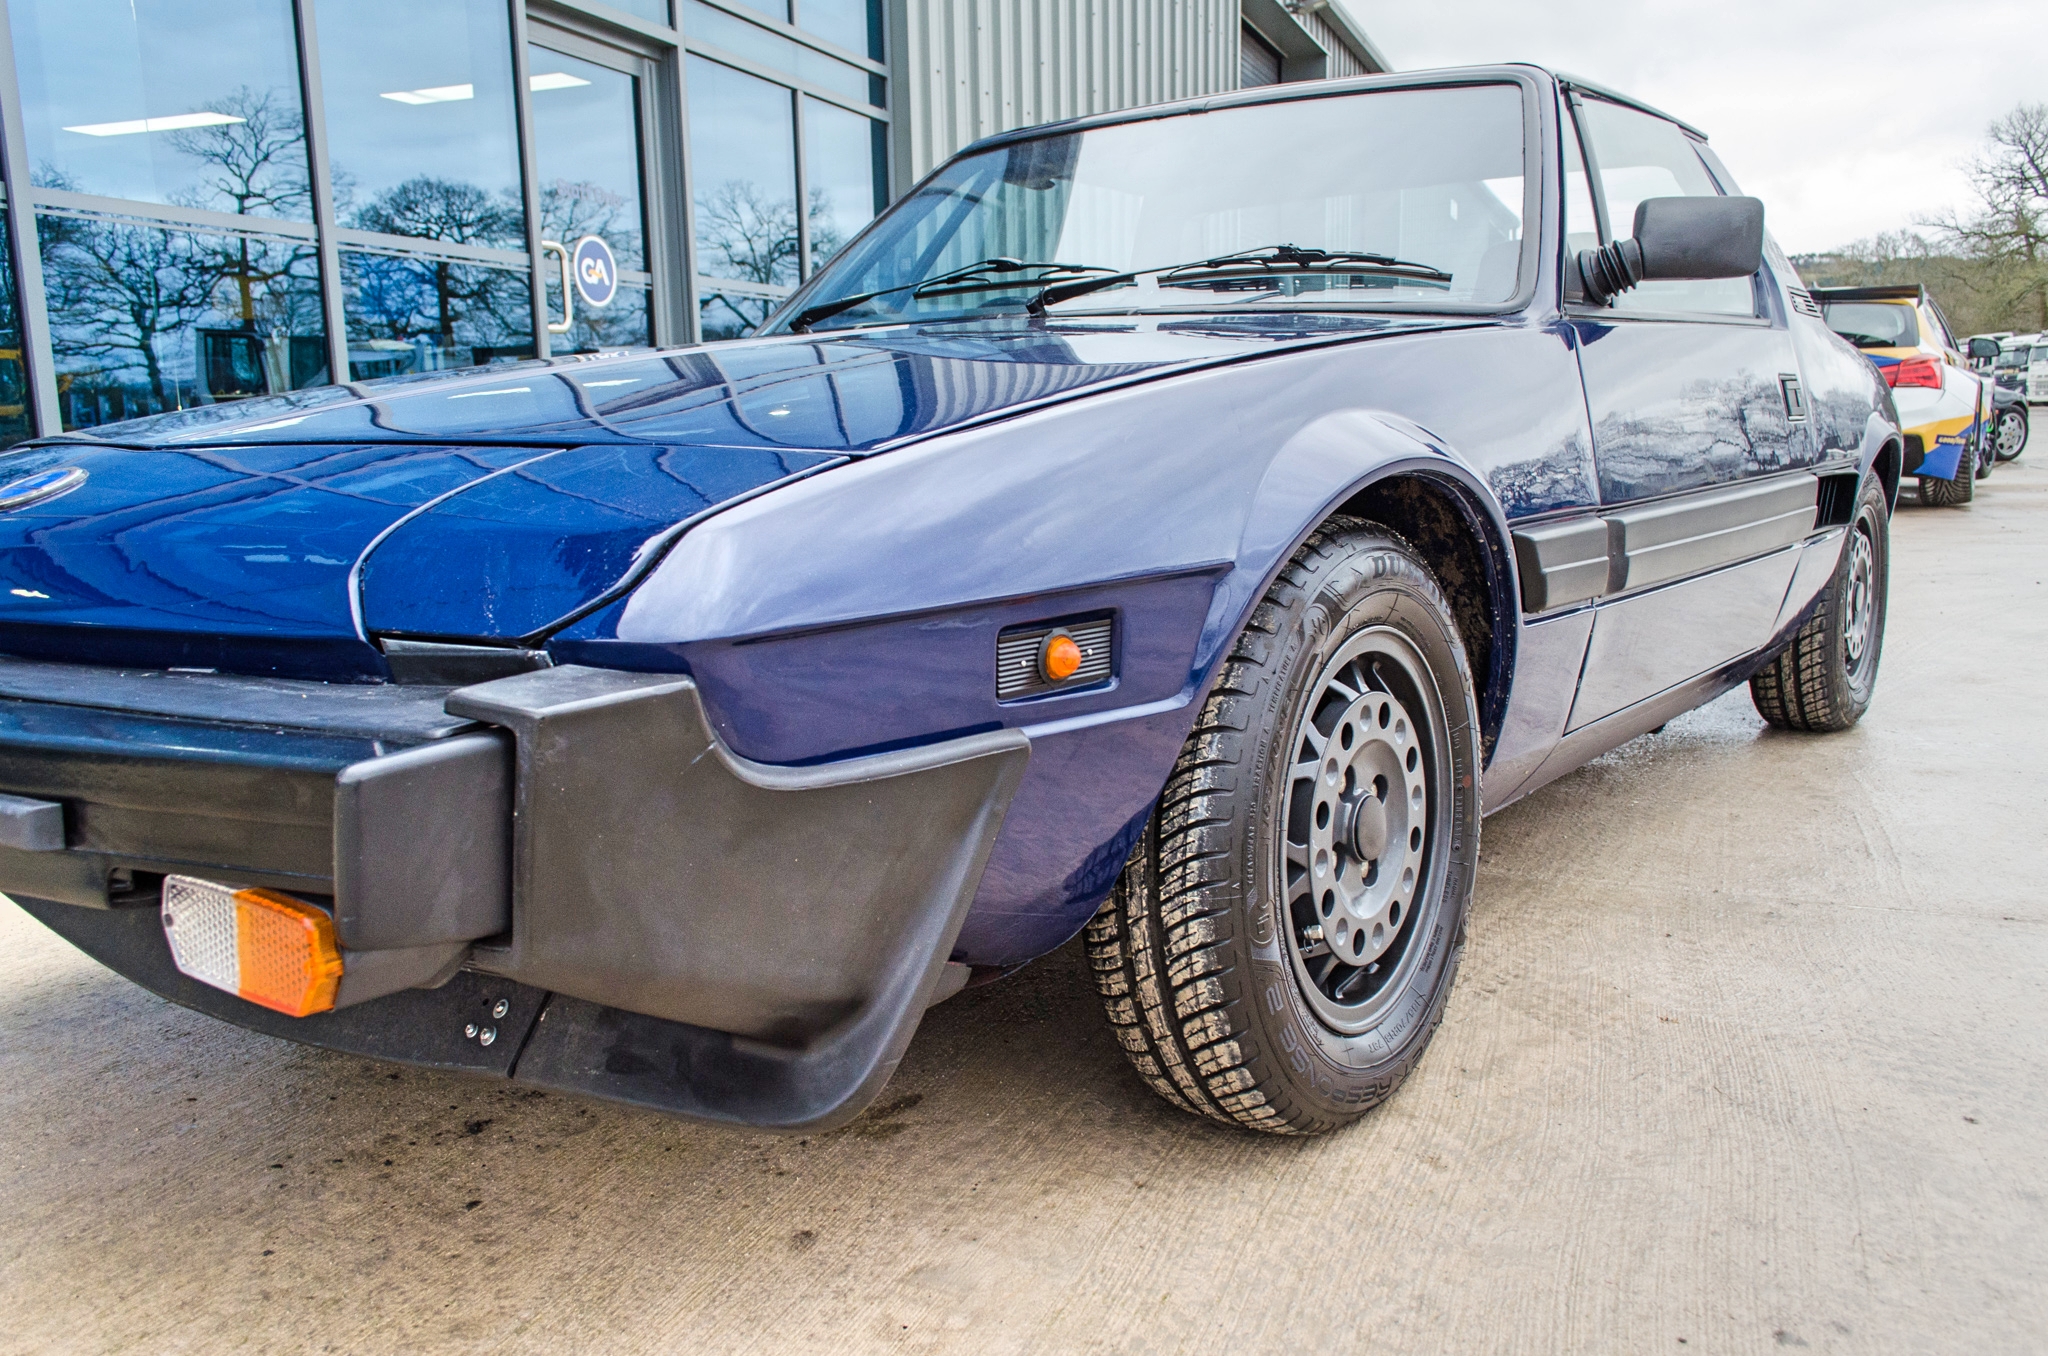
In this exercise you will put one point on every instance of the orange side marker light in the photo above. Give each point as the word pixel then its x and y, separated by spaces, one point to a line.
pixel 1060 659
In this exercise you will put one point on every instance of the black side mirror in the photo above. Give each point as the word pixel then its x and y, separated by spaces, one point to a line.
pixel 1684 239
pixel 1985 348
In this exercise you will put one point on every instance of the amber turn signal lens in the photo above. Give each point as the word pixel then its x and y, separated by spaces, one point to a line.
pixel 1060 659
pixel 269 948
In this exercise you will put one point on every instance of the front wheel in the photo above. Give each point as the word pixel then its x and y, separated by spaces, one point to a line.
pixel 1824 679
pixel 1278 950
pixel 2011 438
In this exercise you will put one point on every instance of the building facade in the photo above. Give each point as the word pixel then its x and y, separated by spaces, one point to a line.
pixel 207 200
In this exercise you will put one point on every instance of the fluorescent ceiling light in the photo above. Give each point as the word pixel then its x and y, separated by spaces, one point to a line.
pixel 554 80
pixel 439 94
pixel 177 122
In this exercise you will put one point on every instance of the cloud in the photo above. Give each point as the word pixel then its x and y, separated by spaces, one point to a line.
pixel 1845 118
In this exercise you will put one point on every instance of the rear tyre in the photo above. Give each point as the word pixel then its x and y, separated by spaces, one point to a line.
pixel 1280 946
pixel 2011 437
pixel 1959 489
pixel 1824 679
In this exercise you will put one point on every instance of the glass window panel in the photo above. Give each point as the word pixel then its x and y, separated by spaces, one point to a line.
pixel 1434 176
pixel 854 24
pixel 654 11
pixel 743 175
pixel 193 102
pixel 729 315
pixel 774 9
pixel 1581 223
pixel 755 43
pixel 14 421
pixel 419 116
pixel 586 142
pixel 843 155
pixel 424 315
pixel 621 324
pixel 144 320
pixel 1639 156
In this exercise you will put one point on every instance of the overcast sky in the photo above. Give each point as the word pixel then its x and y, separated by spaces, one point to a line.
pixel 1846 118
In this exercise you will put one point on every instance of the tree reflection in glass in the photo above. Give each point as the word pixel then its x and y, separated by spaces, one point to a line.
pixel 145 319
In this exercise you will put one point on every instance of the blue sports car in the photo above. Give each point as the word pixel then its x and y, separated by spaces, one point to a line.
pixel 1178 526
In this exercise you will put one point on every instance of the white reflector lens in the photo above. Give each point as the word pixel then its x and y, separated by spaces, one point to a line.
pixel 199 920
pixel 257 944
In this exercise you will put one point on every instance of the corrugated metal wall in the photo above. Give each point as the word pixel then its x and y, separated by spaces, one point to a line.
pixel 1342 61
pixel 969 68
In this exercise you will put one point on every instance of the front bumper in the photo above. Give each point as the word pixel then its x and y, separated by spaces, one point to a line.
pixel 685 929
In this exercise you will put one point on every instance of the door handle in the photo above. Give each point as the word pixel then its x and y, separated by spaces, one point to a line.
pixel 568 321
pixel 1795 398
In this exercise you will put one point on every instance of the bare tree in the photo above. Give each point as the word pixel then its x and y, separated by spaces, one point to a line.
pixel 2007 229
pixel 428 208
pixel 122 289
pixel 255 166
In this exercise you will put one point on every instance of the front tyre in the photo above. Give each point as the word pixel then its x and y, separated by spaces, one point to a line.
pixel 1279 948
pixel 1824 679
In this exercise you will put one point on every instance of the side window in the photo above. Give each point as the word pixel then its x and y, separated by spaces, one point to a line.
pixel 1937 327
pixel 1638 156
pixel 1581 224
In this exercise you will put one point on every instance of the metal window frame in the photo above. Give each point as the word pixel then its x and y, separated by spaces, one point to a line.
pixel 326 220
pixel 24 248
pixel 654 75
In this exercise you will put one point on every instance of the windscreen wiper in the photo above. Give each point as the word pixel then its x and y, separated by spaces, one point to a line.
pixel 1266 259
pixel 979 276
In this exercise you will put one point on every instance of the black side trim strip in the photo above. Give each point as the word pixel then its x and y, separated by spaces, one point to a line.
pixel 1575 560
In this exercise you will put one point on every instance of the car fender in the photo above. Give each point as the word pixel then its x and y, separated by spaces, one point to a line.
pixel 817 630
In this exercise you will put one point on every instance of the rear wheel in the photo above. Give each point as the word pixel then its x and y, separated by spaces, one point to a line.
pixel 2011 437
pixel 1958 489
pixel 1279 948
pixel 1824 679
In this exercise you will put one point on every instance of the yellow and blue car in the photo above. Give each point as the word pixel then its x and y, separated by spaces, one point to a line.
pixel 1944 407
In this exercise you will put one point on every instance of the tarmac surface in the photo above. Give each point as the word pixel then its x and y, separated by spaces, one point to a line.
pixel 1747 1053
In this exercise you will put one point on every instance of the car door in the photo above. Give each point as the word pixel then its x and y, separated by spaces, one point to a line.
pixel 1699 437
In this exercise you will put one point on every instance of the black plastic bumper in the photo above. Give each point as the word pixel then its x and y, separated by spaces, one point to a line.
pixel 721 939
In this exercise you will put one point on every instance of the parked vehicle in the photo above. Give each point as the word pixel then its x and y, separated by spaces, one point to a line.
pixel 1107 539
pixel 1944 406
pixel 2010 423
pixel 2009 367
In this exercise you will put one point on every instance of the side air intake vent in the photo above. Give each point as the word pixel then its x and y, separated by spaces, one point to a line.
pixel 1837 501
pixel 1048 657
pixel 1803 302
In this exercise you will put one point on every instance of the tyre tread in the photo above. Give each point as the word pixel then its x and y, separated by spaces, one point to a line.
pixel 1163 964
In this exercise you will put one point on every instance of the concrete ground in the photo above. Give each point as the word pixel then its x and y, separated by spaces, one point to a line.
pixel 1747 1053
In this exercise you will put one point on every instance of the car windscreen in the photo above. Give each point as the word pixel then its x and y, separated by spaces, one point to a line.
pixel 1874 324
pixel 2013 355
pixel 1412 195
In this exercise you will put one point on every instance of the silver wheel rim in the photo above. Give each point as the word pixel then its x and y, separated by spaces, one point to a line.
pixel 2011 431
pixel 1862 593
pixel 1363 813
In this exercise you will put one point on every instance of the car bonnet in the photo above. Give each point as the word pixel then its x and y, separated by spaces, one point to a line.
pixel 282 534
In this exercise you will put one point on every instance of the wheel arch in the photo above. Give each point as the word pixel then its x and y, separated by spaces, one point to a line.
pixel 1461 538
pixel 1888 464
